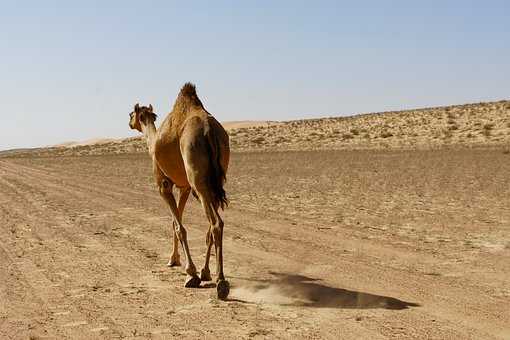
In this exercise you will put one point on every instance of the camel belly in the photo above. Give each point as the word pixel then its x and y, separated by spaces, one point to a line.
pixel 169 160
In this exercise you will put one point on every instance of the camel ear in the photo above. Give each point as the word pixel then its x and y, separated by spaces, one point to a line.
pixel 150 107
pixel 137 107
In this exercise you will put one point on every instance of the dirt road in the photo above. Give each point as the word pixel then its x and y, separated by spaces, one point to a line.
pixel 317 245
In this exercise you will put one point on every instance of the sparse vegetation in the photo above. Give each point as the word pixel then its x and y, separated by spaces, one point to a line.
pixel 407 129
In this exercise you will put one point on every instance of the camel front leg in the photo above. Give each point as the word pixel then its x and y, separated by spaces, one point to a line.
pixel 175 258
pixel 166 191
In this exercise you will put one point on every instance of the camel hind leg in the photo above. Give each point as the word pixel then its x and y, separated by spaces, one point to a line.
pixel 216 233
pixel 205 273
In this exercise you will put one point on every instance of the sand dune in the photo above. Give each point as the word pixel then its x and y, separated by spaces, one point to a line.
pixel 94 141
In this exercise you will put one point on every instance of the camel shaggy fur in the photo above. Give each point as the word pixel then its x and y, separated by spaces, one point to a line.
pixel 190 151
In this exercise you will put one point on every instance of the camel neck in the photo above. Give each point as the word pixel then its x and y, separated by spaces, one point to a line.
pixel 149 131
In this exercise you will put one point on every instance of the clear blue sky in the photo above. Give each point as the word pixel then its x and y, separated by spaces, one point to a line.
pixel 73 70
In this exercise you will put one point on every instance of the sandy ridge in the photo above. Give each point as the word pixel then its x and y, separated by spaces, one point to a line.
pixel 464 126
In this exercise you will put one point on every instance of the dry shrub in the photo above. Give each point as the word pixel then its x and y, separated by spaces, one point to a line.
pixel 386 134
pixel 258 140
pixel 487 128
pixel 280 140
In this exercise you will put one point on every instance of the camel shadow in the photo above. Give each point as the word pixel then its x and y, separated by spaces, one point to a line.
pixel 300 290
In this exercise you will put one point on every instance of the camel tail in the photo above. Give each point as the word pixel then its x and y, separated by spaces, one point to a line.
pixel 218 176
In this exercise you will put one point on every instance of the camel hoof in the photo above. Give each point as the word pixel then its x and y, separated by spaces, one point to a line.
pixel 223 288
pixel 174 263
pixel 205 275
pixel 192 282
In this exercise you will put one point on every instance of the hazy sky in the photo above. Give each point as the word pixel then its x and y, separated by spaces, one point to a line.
pixel 73 70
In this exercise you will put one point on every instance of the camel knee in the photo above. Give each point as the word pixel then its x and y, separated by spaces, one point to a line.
pixel 165 187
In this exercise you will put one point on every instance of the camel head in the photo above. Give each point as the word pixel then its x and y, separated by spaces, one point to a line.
pixel 141 115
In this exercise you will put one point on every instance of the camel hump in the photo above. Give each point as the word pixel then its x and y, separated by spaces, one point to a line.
pixel 189 94
pixel 189 90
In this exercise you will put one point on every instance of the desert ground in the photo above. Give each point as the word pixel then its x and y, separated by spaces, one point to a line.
pixel 329 234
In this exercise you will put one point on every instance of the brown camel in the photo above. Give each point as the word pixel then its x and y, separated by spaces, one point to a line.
pixel 191 152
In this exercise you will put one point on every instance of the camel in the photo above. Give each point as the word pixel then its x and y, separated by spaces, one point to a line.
pixel 190 151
